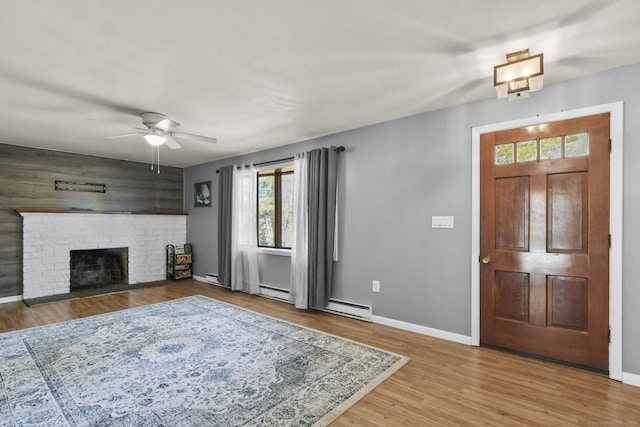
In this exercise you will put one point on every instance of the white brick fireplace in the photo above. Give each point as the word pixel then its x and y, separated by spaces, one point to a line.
pixel 48 238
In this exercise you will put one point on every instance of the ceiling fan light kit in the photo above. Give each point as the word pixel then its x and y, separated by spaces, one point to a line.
pixel 520 75
pixel 155 139
pixel 158 130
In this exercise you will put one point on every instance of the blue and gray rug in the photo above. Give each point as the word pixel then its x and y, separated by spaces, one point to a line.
pixel 188 362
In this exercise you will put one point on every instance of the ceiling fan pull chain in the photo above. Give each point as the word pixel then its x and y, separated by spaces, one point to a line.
pixel 158 159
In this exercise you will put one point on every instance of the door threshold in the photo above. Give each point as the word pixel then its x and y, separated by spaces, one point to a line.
pixel 546 359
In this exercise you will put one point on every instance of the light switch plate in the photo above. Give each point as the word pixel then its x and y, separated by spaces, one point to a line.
pixel 442 222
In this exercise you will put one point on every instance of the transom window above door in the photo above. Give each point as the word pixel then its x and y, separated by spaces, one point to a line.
pixel 555 147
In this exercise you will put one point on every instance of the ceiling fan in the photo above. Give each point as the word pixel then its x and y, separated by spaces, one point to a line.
pixel 158 130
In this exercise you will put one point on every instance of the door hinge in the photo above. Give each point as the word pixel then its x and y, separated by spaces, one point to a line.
pixel 610 145
pixel 609 241
pixel 609 335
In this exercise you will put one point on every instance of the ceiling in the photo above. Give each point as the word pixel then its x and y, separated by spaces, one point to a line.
pixel 259 74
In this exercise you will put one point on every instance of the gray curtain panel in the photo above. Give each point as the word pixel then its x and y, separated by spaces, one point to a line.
pixel 225 192
pixel 323 168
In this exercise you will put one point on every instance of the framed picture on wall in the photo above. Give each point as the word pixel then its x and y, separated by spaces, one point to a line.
pixel 202 194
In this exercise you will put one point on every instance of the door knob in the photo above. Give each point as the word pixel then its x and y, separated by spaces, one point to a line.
pixel 486 259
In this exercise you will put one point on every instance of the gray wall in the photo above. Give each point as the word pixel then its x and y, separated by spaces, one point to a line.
pixel 27 178
pixel 394 176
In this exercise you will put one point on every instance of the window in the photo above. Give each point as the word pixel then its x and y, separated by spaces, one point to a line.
pixel 550 148
pixel 275 208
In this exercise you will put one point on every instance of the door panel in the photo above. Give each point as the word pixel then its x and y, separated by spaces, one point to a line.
pixel 544 240
pixel 568 302
pixel 512 295
pixel 512 213
pixel 567 212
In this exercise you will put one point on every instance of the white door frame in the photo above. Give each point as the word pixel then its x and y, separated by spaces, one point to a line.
pixel 615 220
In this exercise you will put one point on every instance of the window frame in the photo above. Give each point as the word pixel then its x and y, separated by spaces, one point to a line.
pixel 277 173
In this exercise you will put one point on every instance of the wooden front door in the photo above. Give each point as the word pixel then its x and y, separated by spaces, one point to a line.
pixel 544 240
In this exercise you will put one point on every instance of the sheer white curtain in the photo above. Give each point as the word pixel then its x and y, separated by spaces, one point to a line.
pixel 244 240
pixel 299 251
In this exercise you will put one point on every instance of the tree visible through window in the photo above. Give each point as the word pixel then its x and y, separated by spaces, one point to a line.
pixel 275 208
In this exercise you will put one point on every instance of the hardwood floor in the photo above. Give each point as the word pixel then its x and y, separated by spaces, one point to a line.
pixel 445 383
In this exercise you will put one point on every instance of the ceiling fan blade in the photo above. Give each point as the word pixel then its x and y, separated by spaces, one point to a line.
pixel 71 93
pixel 166 124
pixel 122 136
pixel 172 143
pixel 194 137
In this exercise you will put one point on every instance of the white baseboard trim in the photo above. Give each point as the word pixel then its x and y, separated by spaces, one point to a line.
pixel 14 298
pixel 424 330
pixel 631 379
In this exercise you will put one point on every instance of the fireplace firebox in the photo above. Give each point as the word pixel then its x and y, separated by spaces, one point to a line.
pixel 96 268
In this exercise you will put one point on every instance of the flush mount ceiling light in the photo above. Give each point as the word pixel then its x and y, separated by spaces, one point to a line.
pixel 521 74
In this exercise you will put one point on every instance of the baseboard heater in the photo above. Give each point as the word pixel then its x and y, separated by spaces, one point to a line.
pixel 274 293
pixel 213 279
pixel 342 308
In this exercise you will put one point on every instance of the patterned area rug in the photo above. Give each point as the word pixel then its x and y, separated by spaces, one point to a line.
pixel 188 362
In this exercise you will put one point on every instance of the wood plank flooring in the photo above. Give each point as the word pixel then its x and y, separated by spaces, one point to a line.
pixel 444 384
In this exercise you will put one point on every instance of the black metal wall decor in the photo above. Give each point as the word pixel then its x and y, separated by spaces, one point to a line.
pixel 80 186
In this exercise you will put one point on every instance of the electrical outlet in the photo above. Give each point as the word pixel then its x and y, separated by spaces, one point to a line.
pixel 376 286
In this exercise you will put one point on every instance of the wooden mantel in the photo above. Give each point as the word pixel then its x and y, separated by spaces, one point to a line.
pixel 80 211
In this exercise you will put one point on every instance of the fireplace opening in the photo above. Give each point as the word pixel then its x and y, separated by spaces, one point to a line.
pixel 96 268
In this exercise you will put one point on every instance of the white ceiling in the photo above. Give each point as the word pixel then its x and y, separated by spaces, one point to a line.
pixel 257 74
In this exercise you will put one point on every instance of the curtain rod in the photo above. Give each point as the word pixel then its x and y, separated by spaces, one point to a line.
pixel 286 159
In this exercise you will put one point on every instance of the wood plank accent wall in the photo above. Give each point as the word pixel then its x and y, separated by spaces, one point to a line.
pixel 27 178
